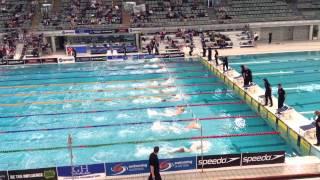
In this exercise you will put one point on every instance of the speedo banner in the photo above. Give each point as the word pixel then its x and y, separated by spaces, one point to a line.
pixel 217 161
pixel 263 158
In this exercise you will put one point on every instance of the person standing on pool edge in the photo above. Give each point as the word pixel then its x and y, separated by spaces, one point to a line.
pixel 154 165
pixel 268 92
pixel 281 97
pixel 317 113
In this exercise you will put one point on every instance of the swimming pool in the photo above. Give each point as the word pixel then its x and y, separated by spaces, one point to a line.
pixel 117 111
pixel 298 72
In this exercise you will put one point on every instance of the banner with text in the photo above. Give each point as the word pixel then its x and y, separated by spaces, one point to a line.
pixel 95 171
pixel 217 161
pixel 34 174
pixel 127 168
pixel 177 164
pixel 3 175
pixel 263 158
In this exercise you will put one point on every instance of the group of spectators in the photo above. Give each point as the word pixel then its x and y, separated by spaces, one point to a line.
pixel 94 12
pixel 8 45
pixel 174 9
pixel 18 12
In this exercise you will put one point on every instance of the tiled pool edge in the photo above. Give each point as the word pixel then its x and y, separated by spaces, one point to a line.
pixel 300 143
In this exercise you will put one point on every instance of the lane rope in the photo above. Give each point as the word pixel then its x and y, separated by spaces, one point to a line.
pixel 128 124
pixel 99 82
pixel 107 99
pixel 127 109
pixel 100 76
pixel 106 90
pixel 141 142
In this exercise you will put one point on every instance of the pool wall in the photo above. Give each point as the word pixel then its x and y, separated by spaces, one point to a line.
pixel 292 137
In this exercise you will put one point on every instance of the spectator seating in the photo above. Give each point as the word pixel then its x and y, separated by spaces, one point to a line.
pixel 256 11
pixel 171 13
pixel 309 8
pixel 16 14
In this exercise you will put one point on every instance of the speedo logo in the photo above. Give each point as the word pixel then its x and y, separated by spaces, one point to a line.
pixel 265 157
pixel 217 161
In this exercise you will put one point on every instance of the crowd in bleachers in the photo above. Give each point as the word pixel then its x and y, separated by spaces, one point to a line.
pixel 8 45
pixel 86 12
pixel 16 14
pixel 170 12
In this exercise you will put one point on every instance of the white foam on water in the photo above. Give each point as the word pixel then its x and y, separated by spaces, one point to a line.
pixel 143 151
pixel 151 66
pixel 161 127
pixel 130 67
pixel 147 100
pixel 102 156
pixel 271 73
pixel 240 123
pixel 99 119
pixel 169 112
pixel 161 70
pixel 309 88
pixel 167 82
pixel 125 132
pixel 122 115
pixel 252 62
pixel 196 146
pixel 170 89
pixel 154 60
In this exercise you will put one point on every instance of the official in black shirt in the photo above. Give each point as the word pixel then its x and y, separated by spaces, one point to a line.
pixel 317 113
pixel 281 96
pixel 247 79
pixel 216 55
pixel 209 53
pixel 154 165
pixel 268 92
pixel 225 64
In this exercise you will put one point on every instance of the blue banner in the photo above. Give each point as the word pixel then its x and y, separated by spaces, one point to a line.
pixel 178 164
pixel 127 168
pixel 94 171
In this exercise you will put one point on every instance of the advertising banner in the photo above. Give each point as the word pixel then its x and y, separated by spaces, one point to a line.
pixel 49 60
pixel 217 161
pixel 263 158
pixel 83 59
pixel 3 175
pixel 15 62
pixel 34 174
pixel 32 61
pixel 94 171
pixel 127 168
pixel 177 164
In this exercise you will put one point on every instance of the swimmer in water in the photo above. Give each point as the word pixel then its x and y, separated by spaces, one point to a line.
pixel 194 125
pixel 179 110
pixel 193 148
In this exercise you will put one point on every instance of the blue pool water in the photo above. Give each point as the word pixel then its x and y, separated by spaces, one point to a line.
pixel 117 111
pixel 298 72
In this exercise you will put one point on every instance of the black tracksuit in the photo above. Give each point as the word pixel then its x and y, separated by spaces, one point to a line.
pixel 268 93
pixel 281 97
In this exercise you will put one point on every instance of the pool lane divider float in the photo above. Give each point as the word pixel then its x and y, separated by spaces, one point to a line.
pixel 164 95
pixel 88 71
pixel 102 76
pixel 108 89
pixel 127 109
pixel 130 124
pixel 142 142
pixel 298 142
pixel 101 82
